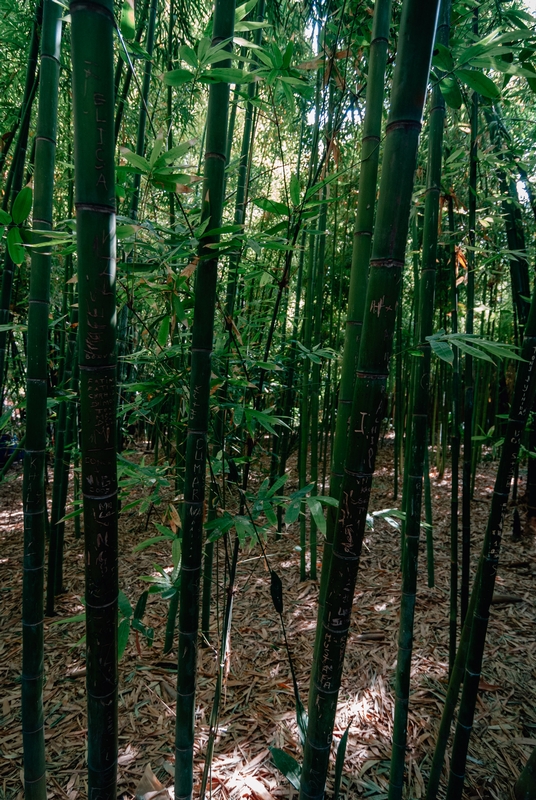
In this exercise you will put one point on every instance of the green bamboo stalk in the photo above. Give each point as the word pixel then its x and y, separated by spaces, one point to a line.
pixel 370 154
pixel 34 494
pixel 196 453
pixel 453 690
pixel 122 99
pixel 318 291
pixel 418 412
pixel 524 394
pixel 243 165
pixel 468 373
pixel 454 448
pixel 92 29
pixel 142 116
pixel 417 28
pixel 15 178
pixel 428 515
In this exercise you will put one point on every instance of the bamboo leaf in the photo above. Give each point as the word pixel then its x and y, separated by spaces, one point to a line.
pixel 22 205
pixel 451 92
pixel 295 190
pixel 287 765
pixel 271 206
pixel 317 514
pixel 128 21
pixel 5 218
pixel 441 349
pixel 123 604
pixel 15 247
pixel 443 57
pixel 163 331
pixel 293 512
pixel 472 351
pixel 139 611
pixel 188 54
pixel 152 540
pixel 339 762
pixel 479 82
pixel 137 161
pixel 177 77
pixel 228 75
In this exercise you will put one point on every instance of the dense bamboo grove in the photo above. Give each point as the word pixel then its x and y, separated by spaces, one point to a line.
pixel 241 245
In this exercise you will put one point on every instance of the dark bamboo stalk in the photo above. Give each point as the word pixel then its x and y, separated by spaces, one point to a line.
pixel 524 394
pixel 468 374
pixel 418 411
pixel 92 31
pixel 34 494
pixel 196 453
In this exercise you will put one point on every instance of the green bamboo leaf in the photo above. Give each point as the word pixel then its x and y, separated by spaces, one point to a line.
pixel 22 205
pixel 163 331
pixel 479 82
pixel 227 75
pixel 441 349
pixel 451 92
pixel 67 620
pixel 499 350
pixel 472 351
pixel 177 77
pixel 317 513
pixel 188 54
pixel 287 765
pixel 123 604
pixel 128 21
pixel 139 611
pixel 123 632
pixel 250 26
pixel 442 59
pixel 242 11
pixel 295 190
pixel 5 218
pixel 339 762
pixel 179 310
pixel 152 540
pixel 174 153
pixel 176 549
pixel 328 501
pixel 272 206
pixel 157 149
pixel 287 57
pixel 14 245
pixel 137 161
pixel 293 512
pixel 277 485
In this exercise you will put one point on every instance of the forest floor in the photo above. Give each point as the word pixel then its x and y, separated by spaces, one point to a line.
pixel 258 708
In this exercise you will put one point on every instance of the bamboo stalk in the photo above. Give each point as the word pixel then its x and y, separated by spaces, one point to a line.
pixel 92 30
pixel 417 30
pixel 196 452
pixel 34 494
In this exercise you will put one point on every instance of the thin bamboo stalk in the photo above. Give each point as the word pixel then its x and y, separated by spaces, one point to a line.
pixel 524 394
